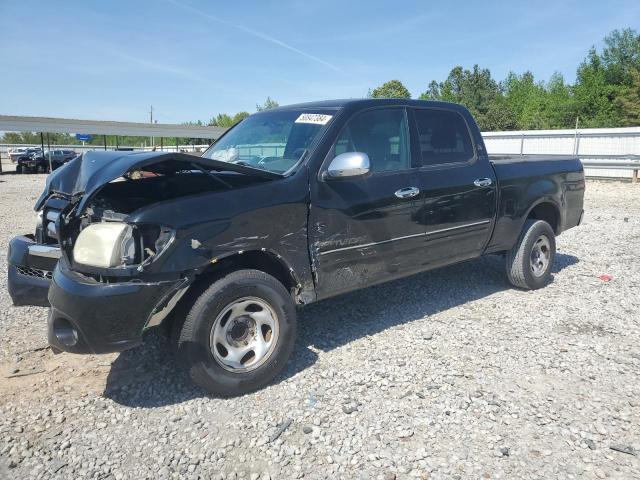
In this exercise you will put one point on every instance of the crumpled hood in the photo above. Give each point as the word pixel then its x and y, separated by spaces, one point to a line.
pixel 86 174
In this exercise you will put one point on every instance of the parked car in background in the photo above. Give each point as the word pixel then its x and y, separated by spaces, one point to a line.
pixel 222 248
pixel 23 153
pixel 60 157
pixel 36 162
pixel 16 152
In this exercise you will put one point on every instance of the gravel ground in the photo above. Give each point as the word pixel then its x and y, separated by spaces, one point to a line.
pixel 449 374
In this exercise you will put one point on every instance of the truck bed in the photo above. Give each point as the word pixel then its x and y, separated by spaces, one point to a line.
pixel 529 167
pixel 524 180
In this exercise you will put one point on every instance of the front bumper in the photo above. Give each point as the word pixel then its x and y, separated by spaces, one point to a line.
pixel 30 267
pixel 88 316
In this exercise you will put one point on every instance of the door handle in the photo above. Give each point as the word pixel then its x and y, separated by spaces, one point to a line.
pixel 407 192
pixel 482 182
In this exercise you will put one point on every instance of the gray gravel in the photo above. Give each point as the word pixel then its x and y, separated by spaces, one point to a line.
pixel 449 374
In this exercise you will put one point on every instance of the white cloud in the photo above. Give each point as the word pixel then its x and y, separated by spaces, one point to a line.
pixel 257 34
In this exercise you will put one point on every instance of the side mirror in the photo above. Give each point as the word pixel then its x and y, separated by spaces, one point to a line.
pixel 348 164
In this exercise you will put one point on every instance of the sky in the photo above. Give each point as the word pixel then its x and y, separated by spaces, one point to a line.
pixel 192 59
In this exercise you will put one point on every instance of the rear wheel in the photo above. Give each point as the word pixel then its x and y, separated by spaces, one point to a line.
pixel 19 168
pixel 239 333
pixel 530 261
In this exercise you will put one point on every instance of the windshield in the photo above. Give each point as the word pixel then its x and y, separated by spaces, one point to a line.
pixel 273 141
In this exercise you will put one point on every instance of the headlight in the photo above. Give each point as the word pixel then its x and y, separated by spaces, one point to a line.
pixel 105 245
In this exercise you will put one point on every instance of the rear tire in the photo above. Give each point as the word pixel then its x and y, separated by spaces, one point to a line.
pixel 19 169
pixel 530 261
pixel 239 333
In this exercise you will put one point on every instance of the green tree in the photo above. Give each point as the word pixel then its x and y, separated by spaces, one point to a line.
pixel 12 137
pixel 433 92
pixel 221 120
pixel 268 104
pixel 560 108
pixel 526 99
pixel 225 120
pixel 499 117
pixel 391 89
pixel 476 90
pixel 621 56
pixel 238 117
pixel 606 85
pixel 34 138
pixel 628 101
pixel 594 95
pixel 537 105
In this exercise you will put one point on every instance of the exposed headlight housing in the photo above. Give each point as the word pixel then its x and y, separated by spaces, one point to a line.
pixel 105 245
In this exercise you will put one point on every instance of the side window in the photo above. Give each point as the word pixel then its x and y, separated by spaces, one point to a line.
pixel 443 136
pixel 381 134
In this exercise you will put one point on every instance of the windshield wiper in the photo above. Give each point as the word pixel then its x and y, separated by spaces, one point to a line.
pixel 234 167
pixel 212 175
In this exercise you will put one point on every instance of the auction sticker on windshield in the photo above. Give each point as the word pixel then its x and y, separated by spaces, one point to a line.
pixel 317 118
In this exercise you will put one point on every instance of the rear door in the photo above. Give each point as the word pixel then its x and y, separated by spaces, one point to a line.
pixel 362 230
pixel 457 186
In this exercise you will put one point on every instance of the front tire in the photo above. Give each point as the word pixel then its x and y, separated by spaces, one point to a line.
pixel 238 334
pixel 530 261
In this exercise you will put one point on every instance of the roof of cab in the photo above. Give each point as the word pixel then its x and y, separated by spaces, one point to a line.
pixel 361 103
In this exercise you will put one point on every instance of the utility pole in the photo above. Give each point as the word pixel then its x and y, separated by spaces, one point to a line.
pixel 151 121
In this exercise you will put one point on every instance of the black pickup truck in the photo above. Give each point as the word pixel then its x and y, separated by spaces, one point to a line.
pixel 290 206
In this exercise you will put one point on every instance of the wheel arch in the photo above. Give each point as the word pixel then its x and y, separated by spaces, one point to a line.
pixel 547 210
pixel 263 260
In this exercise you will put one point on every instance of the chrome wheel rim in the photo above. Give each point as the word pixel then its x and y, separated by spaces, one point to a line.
pixel 540 256
pixel 244 334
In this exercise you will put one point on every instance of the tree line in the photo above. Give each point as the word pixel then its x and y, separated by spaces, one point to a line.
pixel 606 92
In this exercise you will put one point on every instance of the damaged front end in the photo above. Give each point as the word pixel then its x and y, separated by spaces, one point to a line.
pixel 104 291
pixel 32 258
pixel 121 271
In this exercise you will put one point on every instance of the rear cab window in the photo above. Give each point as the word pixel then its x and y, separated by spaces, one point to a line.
pixel 443 137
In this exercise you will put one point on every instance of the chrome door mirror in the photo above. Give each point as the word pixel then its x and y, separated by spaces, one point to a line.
pixel 348 164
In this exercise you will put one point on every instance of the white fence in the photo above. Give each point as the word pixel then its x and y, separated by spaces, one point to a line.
pixel 586 143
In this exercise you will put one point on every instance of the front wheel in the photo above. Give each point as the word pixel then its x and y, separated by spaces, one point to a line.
pixel 530 261
pixel 239 333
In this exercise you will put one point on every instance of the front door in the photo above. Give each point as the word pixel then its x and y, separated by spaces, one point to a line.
pixel 362 230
